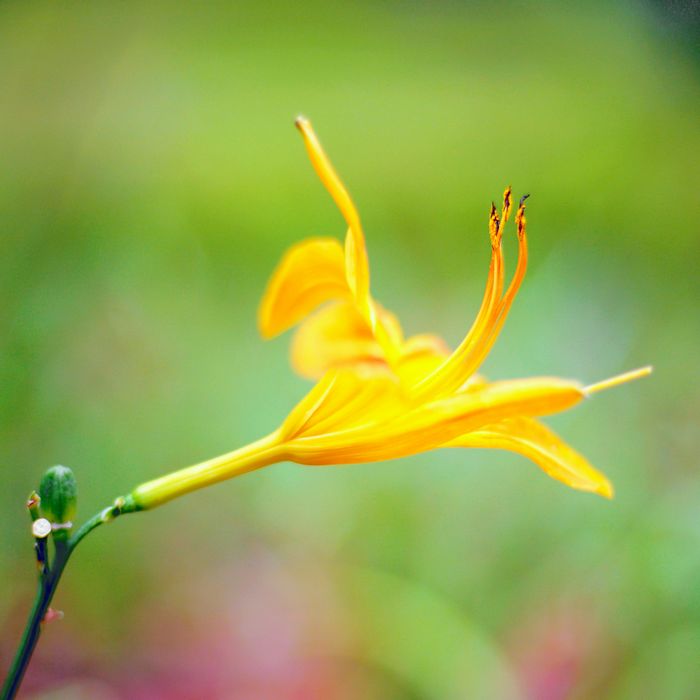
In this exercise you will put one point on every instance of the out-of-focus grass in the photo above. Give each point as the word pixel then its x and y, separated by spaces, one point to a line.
pixel 150 179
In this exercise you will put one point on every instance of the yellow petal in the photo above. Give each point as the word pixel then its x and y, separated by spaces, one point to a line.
pixel 341 401
pixel 420 355
pixel 357 273
pixel 442 420
pixel 357 264
pixel 310 273
pixel 384 425
pixel 388 330
pixel 335 336
pixel 535 441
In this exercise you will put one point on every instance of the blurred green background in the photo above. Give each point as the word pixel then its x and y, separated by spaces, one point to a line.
pixel 150 180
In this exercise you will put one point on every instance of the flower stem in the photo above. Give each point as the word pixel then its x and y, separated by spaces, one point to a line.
pixel 46 589
pixel 48 582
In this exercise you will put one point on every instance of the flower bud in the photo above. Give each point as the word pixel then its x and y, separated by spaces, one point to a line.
pixel 59 492
pixel 33 506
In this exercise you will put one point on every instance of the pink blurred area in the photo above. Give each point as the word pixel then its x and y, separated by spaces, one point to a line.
pixel 261 629
pixel 559 647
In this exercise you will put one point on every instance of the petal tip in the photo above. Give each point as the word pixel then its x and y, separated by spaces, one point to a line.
pixel 606 490
pixel 266 324
pixel 266 332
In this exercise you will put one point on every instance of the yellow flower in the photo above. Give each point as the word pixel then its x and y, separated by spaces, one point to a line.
pixel 380 395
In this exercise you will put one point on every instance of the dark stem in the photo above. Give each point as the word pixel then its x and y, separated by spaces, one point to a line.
pixel 47 587
pixel 48 583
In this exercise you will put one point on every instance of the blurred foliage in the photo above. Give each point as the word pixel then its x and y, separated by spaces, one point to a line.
pixel 150 180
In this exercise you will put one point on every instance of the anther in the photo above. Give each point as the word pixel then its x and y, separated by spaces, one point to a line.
pixel 506 203
pixel 520 220
pixel 494 226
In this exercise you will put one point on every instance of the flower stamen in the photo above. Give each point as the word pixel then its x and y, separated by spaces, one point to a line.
pixel 490 334
pixel 618 379
pixel 465 360
pixel 494 227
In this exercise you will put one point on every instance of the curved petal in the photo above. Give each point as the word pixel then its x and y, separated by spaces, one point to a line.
pixel 341 401
pixel 357 264
pixel 357 272
pixel 335 336
pixel 389 426
pixel 420 355
pixel 310 273
pixel 545 448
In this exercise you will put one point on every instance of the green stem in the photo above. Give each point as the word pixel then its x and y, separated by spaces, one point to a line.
pixel 45 592
pixel 87 527
pixel 48 583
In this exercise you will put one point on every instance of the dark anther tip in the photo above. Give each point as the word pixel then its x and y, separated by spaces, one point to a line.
pixel 523 198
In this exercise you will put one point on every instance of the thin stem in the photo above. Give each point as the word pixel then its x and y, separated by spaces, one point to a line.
pixel 48 583
pixel 87 527
pixel 45 592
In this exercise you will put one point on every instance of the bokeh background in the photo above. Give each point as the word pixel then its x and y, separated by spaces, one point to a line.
pixel 150 179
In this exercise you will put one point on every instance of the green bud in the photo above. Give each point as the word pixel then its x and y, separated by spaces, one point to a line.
pixel 59 496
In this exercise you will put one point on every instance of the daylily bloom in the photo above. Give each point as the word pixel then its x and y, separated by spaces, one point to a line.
pixel 380 395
